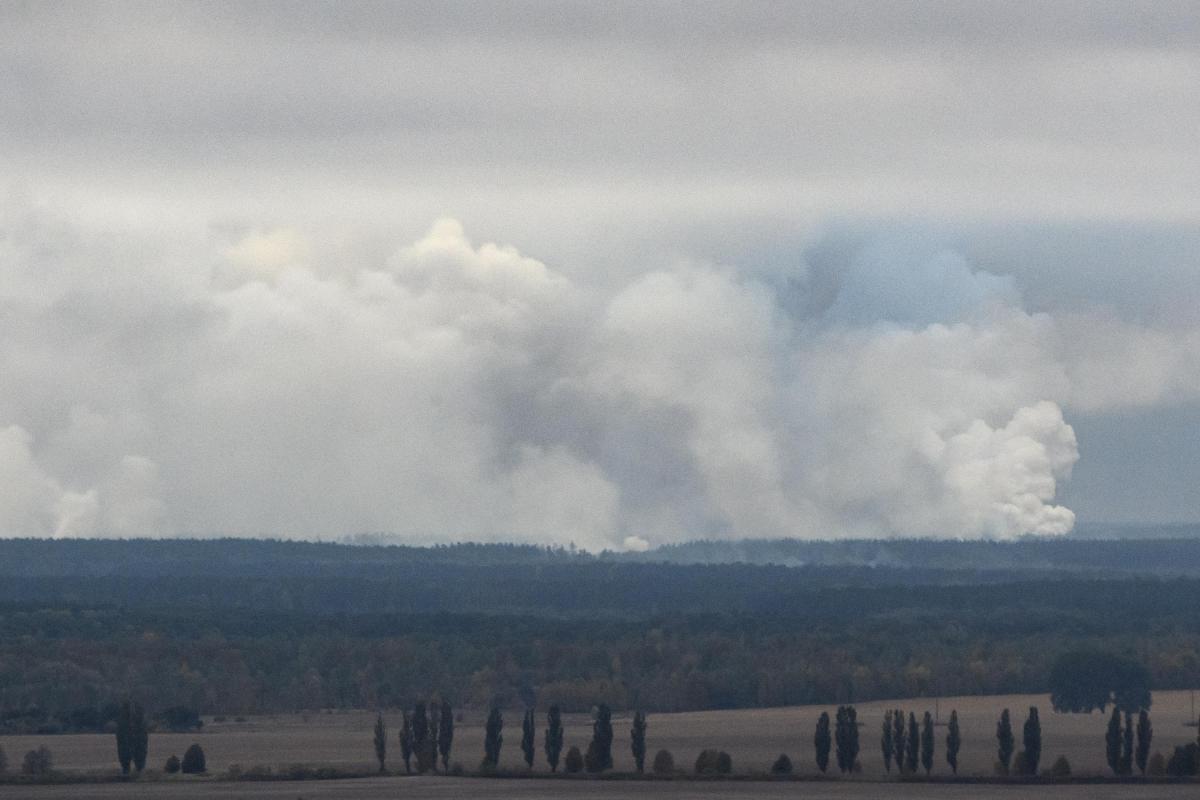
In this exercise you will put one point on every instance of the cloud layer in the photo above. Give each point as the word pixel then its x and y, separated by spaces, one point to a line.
pixel 462 391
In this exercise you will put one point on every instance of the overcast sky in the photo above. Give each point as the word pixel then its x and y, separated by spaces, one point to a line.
pixel 617 274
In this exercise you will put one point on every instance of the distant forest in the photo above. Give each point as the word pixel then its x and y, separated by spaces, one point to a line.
pixel 248 626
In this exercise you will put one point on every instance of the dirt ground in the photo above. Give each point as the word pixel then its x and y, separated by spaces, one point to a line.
pixel 753 737
pixel 471 789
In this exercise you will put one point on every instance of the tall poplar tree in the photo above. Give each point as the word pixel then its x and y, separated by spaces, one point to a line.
pixel 527 732
pixel 913 746
pixel 822 740
pixel 1005 740
pixel 380 742
pixel 927 742
pixel 1144 734
pixel 1032 739
pixel 637 740
pixel 554 737
pixel 885 741
pixel 492 738
pixel 953 742
pixel 446 735
pixel 1113 741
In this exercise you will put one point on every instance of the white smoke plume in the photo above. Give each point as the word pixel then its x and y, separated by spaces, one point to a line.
pixel 243 386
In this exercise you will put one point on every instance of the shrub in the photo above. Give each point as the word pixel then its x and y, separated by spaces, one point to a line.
pixel 1061 768
pixel 1020 765
pixel 1157 766
pixel 1183 761
pixel 574 761
pixel 782 765
pixel 714 762
pixel 38 762
pixel 664 763
pixel 172 765
pixel 193 761
pixel 456 769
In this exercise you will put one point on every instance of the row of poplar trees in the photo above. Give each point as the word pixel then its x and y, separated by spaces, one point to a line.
pixel 905 746
pixel 426 735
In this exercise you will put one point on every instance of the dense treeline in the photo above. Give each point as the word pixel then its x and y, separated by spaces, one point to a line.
pixel 1175 551
pixel 56 662
pixel 221 627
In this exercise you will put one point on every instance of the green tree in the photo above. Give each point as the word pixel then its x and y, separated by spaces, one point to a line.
pixel 492 738
pixel 637 740
pixel 822 741
pixel 599 753
pixel 554 737
pixel 431 742
pixel 1144 735
pixel 885 741
pixel 380 742
pixel 1083 680
pixel 1112 741
pixel 845 736
pixel 898 739
pixel 573 763
pixel 1005 740
pixel 527 730
pixel 125 736
pixel 913 746
pixel 406 742
pixel 38 762
pixel 927 742
pixel 446 735
pixel 953 742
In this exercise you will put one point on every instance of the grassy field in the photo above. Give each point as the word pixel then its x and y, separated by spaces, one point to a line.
pixel 753 737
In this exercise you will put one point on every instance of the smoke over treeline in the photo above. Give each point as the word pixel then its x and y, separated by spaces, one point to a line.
pixel 244 384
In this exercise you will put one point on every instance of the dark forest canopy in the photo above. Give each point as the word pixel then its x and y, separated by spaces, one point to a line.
pixel 241 626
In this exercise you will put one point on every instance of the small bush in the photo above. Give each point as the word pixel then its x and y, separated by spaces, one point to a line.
pixel 172 765
pixel 1183 761
pixel 782 765
pixel 219 718
pixel 456 769
pixel 1157 766
pixel 1020 765
pixel 574 761
pixel 1061 768
pixel 38 762
pixel 664 763
pixel 714 762
pixel 193 761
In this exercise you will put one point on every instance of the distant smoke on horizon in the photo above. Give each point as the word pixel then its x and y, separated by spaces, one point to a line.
pixel 471 392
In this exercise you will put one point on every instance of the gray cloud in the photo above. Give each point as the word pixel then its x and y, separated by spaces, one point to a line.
pixel 784 269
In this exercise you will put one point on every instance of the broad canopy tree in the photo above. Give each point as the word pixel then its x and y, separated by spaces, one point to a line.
pixel 1082 681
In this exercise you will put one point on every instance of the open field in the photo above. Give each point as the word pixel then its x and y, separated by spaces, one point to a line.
pixel 753 737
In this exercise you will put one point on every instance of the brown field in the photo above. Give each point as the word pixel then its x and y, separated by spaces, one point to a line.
pixel 753 737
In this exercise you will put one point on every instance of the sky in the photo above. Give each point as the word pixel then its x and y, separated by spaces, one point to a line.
pixel 614 274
